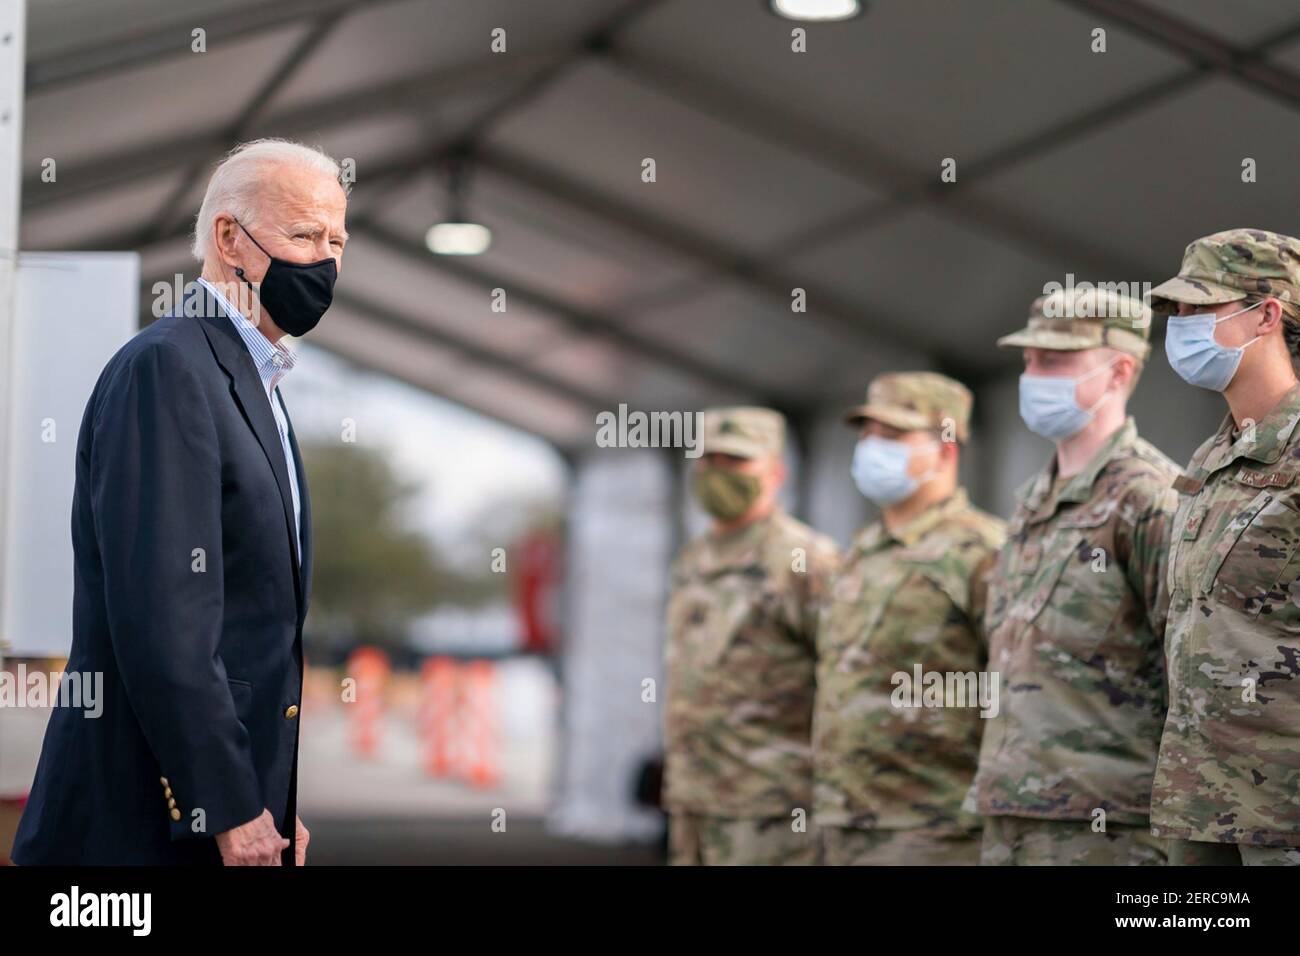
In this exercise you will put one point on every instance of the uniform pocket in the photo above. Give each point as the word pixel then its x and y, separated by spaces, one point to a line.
pixel 709 616
pixel 1247 566
pixel 1077 595
pixel 854 610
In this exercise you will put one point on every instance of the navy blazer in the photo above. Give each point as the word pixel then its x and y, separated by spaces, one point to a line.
pixel 189 598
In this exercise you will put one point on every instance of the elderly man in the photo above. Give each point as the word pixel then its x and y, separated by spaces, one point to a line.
pixel 191 534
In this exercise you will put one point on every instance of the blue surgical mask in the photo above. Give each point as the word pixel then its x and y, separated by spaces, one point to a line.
pixel 1048 406
pixel 880 469
pixel 1196 357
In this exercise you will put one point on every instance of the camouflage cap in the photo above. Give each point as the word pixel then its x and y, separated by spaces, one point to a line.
pixel 915 400
pixel 1230 265
pixel 1085 316
pixel 744 430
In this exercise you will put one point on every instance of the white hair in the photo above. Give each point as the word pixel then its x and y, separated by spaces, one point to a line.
pixel 237 179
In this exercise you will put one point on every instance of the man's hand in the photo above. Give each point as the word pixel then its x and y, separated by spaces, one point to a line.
pixel 256 843
pixel 301 836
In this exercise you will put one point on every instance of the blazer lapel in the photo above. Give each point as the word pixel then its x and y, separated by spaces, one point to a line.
pixel 246 386
pixel 304 505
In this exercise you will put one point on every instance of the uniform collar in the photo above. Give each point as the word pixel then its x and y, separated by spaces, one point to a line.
pixel 1271 435
pixel 913 532
pixel 742 546
pixel 1042 504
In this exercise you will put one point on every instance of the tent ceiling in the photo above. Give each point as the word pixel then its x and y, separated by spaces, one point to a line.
pixel 775 170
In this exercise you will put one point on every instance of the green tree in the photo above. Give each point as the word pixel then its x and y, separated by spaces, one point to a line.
pixel 372 574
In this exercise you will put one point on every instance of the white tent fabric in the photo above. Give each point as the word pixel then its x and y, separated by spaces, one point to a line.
pixel 775 170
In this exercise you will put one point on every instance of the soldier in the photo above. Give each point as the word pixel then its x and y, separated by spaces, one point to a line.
pixel 1228 777
pixel 889 777
pixel 742 620
pixel 1076 604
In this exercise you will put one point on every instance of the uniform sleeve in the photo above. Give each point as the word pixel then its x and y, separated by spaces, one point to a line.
pixel 979 593
pixel 815 587
pixel 155 477
pixel 1144 549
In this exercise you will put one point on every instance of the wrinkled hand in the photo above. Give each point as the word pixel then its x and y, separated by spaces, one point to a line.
pixel 301 836
pixel 256 843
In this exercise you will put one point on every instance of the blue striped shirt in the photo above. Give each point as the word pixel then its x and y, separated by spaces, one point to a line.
pixel 273 362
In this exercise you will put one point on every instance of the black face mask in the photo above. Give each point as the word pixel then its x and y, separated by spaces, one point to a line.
pixel 295 294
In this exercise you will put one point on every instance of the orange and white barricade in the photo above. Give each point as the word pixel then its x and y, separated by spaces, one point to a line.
pixel 368 666
pixel 482 766
pixel 439 679
pixel 458 720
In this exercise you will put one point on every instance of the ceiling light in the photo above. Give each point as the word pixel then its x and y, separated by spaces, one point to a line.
pixel 822 10
pixel 458 239
pixel 457 234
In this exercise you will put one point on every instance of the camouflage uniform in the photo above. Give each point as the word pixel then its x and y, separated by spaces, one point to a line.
pixel 706 839
pixel 1076 610
pixel 741 620
pixel 860 846
pixel 1017 841
pixel 1229 767
pixel 889 780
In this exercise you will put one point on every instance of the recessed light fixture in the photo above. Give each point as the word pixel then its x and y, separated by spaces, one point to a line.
pixel 819 10
pixel 458 239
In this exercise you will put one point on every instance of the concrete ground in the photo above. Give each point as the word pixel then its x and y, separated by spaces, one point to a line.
pixel 458 842
pixel 385 808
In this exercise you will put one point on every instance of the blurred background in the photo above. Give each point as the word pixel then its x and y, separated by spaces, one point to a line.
pixel 489 581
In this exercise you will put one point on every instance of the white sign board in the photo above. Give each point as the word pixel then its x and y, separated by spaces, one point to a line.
pixel 72 312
